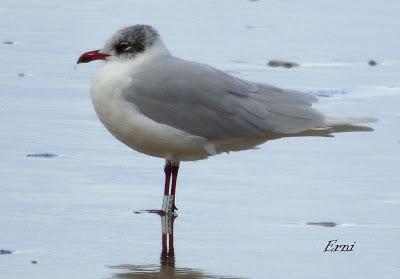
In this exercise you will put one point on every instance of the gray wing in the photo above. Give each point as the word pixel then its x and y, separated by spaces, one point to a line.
pixel 206 102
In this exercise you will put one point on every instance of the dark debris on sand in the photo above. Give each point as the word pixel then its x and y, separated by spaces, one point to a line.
pixel 281 63
pixel 5 252
pixel 42 155
pixel 323 224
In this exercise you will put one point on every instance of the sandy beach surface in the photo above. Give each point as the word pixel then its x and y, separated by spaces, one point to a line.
pixel 69 190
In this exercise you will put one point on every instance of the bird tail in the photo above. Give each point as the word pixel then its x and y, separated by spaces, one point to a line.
pixel 333 125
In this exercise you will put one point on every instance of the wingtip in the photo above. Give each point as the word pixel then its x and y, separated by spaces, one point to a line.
pixel 351 120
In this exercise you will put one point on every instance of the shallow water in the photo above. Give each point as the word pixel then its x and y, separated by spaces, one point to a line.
pixel 253 214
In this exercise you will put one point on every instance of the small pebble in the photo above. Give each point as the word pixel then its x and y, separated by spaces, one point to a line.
pixel 280 63
pixel 8 42
pixel 5 252
pixel 42 155
pixel 34 262
pixel 21 74
pixel 323 224
pixel 372 63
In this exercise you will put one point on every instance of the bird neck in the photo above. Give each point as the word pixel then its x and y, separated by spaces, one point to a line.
pixel 158 48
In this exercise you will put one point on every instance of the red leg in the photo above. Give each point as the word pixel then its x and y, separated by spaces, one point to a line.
pixel 167 170
pixel 174 179
pixel 168 198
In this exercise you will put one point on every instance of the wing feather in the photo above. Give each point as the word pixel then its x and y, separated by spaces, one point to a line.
pixel 206 102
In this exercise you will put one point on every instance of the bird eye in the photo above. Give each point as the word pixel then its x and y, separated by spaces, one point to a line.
pixel 123 46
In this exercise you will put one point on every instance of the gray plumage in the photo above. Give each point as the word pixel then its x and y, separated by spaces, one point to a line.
pixel 206 102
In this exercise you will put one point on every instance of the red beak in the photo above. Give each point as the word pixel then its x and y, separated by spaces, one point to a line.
pixel 92 55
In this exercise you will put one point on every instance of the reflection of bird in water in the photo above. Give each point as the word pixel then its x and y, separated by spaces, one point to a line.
pixel 166 269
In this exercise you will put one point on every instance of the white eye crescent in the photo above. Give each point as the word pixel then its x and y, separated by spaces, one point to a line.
pixel 123 46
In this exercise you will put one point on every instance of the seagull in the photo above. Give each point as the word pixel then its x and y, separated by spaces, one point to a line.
pixel 180 110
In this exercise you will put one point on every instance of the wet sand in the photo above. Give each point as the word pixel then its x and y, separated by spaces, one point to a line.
pixel 69 190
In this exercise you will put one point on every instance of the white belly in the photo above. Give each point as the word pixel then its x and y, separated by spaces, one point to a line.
pixel 134 129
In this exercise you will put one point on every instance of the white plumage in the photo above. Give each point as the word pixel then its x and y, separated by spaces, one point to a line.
pixel 171 108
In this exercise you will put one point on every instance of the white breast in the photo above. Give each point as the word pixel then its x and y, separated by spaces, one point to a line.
pixel 131 127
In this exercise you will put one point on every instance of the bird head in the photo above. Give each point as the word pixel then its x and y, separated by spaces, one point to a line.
pixel 126 43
